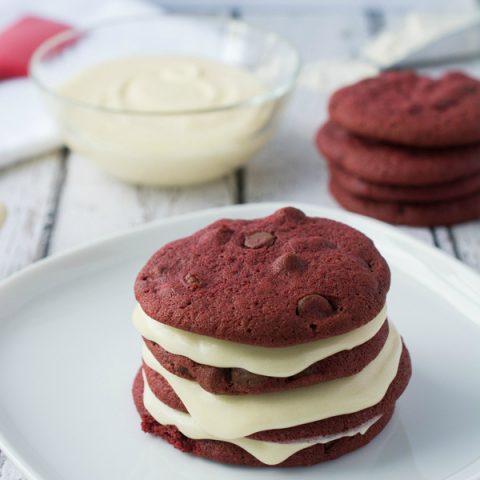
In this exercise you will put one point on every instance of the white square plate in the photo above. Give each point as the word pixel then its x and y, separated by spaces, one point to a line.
pixel 68 355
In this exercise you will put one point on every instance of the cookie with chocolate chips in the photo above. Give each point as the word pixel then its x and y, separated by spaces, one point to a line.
pixel 277 281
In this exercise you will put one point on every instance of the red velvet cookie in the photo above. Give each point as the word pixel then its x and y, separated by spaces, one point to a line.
pixel 276 281
pixel 162 390
pixel 239 381
pixel 225 452
pixel 228 453
pixel 391 193
pixel 410 109
pixel 414 214
pixel 395 165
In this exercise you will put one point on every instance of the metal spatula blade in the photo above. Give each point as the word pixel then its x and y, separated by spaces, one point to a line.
pixel 459 45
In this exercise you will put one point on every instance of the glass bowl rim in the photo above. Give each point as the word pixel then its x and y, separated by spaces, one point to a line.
pixel 256 100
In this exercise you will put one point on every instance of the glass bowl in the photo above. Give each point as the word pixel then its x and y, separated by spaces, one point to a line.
pixel 167 147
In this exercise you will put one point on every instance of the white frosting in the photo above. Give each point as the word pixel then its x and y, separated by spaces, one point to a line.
pixel 269 453
pixel 362 429
pixel 273 362
pixel 179 146
pixel 3 214
pixel 236 416
pixel 161 84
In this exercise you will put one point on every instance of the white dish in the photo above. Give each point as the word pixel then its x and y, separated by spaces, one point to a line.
pixel 68 354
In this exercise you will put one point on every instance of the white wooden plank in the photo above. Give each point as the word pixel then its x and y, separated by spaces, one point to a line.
pixel 161 203
pixel 28 193
pixel 7 470
pixel 443 240
pixel 423 234
pixel 95 205
pixel 290 168
pixel 466 238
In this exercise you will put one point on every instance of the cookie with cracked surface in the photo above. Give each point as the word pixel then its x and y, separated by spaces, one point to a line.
pixel 449 212
pixel 393 193
pixel 410 109
pixel 281 280
pixel 388 164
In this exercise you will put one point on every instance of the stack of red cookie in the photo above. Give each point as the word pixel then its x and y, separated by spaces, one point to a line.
pixel 266 341
pixel 405 148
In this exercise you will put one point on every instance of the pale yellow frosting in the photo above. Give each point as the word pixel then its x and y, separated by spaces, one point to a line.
pixel 269 453
pixel 3 214
pixel 236 416
pixel 163 83
pixel 178 146
pixel 273 362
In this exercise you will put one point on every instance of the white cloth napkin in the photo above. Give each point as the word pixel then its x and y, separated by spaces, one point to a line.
pixel 26 127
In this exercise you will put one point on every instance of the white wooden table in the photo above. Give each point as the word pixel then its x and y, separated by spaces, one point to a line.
pixel 60 201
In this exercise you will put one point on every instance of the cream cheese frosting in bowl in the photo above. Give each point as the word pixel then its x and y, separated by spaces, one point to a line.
pixel 166 100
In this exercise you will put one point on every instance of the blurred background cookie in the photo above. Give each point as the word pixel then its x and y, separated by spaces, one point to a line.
pixel 405 148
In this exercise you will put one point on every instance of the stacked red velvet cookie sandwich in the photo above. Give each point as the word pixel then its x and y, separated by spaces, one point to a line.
pixel 405 148
pixel 266 342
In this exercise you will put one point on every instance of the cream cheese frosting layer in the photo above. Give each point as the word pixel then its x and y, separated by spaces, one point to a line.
pixel 269 453
pixel 272 362
pixel 236 416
